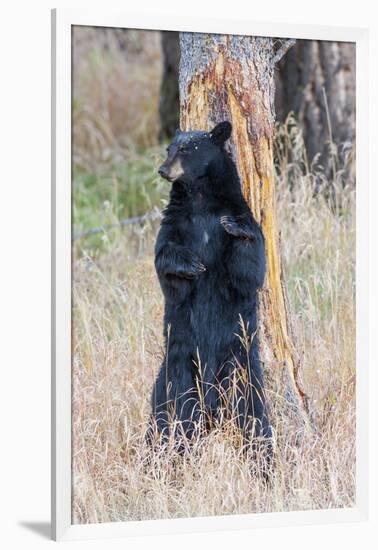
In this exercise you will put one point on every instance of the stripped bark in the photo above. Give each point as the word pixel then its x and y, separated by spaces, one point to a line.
pixel 232 78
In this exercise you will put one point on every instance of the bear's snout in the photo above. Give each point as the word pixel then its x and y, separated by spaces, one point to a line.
pixel 163 172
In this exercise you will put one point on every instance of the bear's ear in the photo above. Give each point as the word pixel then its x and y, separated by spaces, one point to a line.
pixel 221 132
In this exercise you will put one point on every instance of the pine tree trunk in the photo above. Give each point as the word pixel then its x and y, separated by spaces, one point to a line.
pixel 169 92
pixel 232 78
pixel 312 73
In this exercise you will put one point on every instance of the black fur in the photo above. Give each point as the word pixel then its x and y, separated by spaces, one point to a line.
pixel 210 260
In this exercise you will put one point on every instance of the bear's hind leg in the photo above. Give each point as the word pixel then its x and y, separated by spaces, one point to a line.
pixel 158 428
pixel 242 392
pixel 175 400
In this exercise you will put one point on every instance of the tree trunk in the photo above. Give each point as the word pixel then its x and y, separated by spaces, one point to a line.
pixel 316 76
pixel 169 92
pixel 232 78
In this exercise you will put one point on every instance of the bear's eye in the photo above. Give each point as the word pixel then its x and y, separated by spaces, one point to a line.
pixel 184 150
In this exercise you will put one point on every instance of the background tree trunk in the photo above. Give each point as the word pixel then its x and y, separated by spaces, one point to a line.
pixel 232 78
pixel 310 69
pixel 169 106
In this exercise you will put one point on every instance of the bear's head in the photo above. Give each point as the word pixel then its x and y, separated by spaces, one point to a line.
pixel 191 154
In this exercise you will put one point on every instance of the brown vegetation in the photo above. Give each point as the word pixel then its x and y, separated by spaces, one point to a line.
pixel 118 307
pixel 118 348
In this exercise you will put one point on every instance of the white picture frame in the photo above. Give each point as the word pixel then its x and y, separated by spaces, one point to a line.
pixel 62 21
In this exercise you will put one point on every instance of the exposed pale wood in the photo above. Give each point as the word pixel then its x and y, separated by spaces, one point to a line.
pixel 231 78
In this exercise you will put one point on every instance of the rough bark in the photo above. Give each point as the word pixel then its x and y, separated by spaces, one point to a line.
pixel 232 78
pixel 310 72
pixel 169 106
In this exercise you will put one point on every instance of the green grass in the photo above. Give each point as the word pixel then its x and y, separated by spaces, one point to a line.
pixel 118 348
pixel 118 314
pixel 120 188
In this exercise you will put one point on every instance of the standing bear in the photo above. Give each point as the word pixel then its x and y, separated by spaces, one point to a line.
pixel 210 261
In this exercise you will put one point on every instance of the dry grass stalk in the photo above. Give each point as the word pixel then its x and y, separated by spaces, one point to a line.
pixel 117 350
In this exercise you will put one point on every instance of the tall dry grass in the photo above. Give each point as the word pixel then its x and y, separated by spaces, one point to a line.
pixel 117 350
pixel 116 85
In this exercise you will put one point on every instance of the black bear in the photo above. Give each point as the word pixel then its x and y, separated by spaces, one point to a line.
pixel 210 261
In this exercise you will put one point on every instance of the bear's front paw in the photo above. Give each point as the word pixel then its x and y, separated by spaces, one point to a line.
pixel 229 224
pixel 189 265
pixel 237 228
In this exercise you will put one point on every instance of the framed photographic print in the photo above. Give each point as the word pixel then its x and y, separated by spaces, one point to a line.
pixel 210 274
